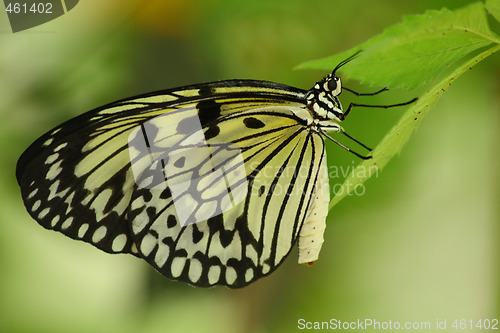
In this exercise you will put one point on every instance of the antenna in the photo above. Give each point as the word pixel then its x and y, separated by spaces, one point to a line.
pixel 345 61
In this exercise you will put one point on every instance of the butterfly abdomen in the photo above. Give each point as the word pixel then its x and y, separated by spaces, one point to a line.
pixel 311 234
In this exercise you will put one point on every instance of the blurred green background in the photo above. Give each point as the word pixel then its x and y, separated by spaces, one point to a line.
pixel 420 244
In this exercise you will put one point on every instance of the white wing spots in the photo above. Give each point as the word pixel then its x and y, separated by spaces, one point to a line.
pixel 99 234
pixel 195 270
pixel 44 213
pixel 98 141
pixel 177 266
pixel 235 246
pixel 187 240
pixel 214 274
pixel 230 275
pixel 187 92
pixel 228 251
pixel 206 209
pixel 54 170
pixel 83 230
pixel 137 203
pixel 212 185
pixel 184 186
pixel 87 199
pixel 265 268
pixel 54 221
pixel 119 243
pixel 52 158
pixel 239 193
pixel 67 223
pixel 124 202
pixel 63 193
pixel 33 193
pixel 48 142
pixel 161 255
pixel 134 249
pixel 69 200
pixel 251 254
pixel 61 146
pixel 148 243
pixel 107 159
pixel 156 99
pixel 141 221
pixel 116 109
pixel 187 204
pixel 249 274
pixel 103 156
pixel 146 182
pixel 226 202
pixel 36 205
pixel 53 190
pixel 216 249
pixel 100 202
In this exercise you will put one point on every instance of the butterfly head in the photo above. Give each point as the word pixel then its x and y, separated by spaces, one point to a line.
pixel 322 99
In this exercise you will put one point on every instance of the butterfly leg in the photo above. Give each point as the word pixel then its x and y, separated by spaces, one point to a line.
pixel 374 106
pixel 365 94
pixel 347 148
pixel 357 141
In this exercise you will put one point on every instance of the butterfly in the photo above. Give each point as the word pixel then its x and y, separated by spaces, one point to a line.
pixel 211 184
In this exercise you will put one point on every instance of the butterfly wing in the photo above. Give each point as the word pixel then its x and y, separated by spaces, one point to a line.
pixel 210 184
pixel 280 159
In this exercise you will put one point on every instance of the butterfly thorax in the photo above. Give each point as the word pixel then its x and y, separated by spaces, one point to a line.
pixel 324 105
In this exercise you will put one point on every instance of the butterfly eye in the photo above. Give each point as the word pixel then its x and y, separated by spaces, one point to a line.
pixel 332 85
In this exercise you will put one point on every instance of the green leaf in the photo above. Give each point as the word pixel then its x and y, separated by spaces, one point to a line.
pixel 397 137
pixel 411 54
pixel 493 7
pixel 417 50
